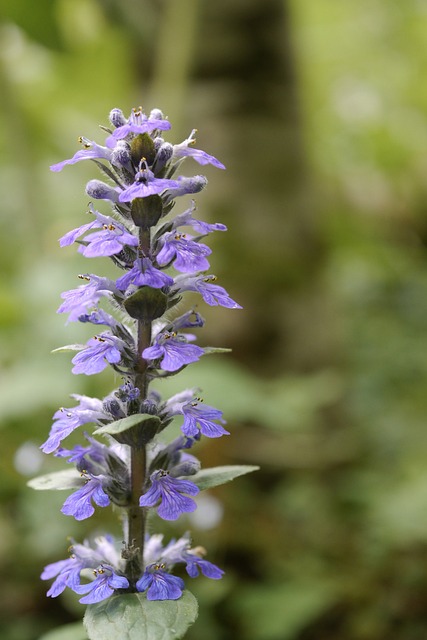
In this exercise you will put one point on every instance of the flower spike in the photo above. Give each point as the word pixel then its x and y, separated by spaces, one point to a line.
pixel 132 468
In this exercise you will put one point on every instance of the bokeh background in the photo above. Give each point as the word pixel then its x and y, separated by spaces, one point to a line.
pixel 319 110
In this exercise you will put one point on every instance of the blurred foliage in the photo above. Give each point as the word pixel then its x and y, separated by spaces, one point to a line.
pixel 319 111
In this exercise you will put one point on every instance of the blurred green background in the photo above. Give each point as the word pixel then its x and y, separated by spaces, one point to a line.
pixel 319 110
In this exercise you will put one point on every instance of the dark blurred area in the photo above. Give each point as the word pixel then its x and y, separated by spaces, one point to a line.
pixel 319 111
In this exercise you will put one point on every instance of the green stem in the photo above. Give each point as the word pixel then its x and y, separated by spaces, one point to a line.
pixel 135 533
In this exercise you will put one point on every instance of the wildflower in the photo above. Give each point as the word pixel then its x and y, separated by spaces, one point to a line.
pixel 67 572
pixel 137 123
pixel 185 186
pixel 173 351
pixel 180 552
pixel 159 584
pixel 103 560
pixel 90 151
pixel 99 316
pixel 105 583
pixel 67 420
pixel 185 150
pixel 107 242
pixel 79 504
pixel 146 184
pixel 170 492
pixel 143 273
pixel 199 416
pixel 187 256
pixel 146 341
pixel 100 351
pixel 211 293
pixel 78 301
pixel 194 564
pixel 200 226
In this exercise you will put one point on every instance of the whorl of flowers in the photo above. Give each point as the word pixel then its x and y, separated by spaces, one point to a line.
pixel 137 333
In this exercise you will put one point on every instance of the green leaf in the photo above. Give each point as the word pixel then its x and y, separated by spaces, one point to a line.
pixel 142 146
pixel 73 631
pixel 134 430
pixel 146 304
pixel 208 478
pixel 68 479
pixel 133 617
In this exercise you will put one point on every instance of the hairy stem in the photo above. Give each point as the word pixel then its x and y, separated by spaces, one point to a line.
pixel 135 533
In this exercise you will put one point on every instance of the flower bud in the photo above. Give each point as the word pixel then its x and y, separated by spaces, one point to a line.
pixel 185 468
pixel 158 141
pixel 164 154
pixel 186 186
pixel 101 191
pixel 114 408
pixel 120 156
pixel 117 118
pixel 156 114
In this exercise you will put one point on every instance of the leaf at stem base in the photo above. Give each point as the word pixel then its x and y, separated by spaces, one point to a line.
pixel 132 617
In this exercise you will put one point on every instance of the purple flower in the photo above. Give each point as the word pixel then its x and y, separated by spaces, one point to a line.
pixel 174 351
pixel 194 564
pixel 79 504
pixel 186 186
pixel 108 242
pixel 138 123
pixel 88 459
pixel 190 319
pixel 211 293
pixel 186 220
pixel 78 301
pixel 174 405
pixel 99 316
pixel 67 574
pixel 66 420
pixel 160 584
pixel 170 493
pixel 90 150
pixel 198 416
pixel 179 551
pixel 184 150
pixel 105 583
pixel 100 221
pixel 128 392
pixel 144 274
pixel 100 351
pixel 188 256
pixel 102 191
pixel 71 236
pixel 146 184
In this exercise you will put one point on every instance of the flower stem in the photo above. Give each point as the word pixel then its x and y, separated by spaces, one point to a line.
pixel 135 533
